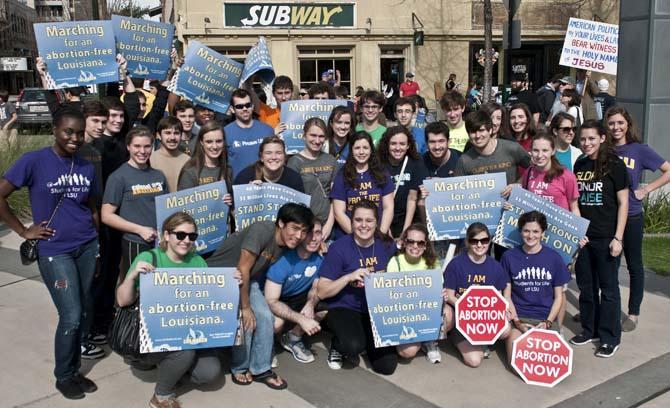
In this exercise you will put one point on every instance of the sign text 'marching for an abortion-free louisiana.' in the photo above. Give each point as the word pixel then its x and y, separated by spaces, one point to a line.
pixel 257 203
pixel 591 45
pixel 187 308
pixel 206 78
pixel 205 204
pixel 295 113
pixel 145 44
pixel 405 307
pixel 564 229
pixel 456 202
pixel 78 53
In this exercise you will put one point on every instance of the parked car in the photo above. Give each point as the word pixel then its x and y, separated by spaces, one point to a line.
pixel 32 109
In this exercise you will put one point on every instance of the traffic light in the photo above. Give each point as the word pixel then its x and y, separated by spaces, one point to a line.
pixel 418 38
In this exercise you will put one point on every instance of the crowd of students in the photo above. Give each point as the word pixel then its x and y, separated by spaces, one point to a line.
pixel 93 197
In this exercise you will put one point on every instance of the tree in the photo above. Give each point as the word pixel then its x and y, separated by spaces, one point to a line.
pixel 488 51
pixel 128 8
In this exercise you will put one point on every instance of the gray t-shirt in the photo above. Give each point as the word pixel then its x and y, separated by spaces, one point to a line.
pixel 259 239
pixel 189 179
pixel 133 191
pixel 7 109
pixel 507 157
pixel 317 177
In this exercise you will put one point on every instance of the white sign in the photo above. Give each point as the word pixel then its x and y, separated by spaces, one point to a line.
pixel 591 45
pixel 13 64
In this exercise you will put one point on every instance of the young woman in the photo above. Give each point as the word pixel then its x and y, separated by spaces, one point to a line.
pixel 209 162
pixel 341 126
pixel 362 177
pixel 271 166
pixel 603 200
pixel 416 253
pixel 537 274
pixel 397 152
pixel 317 170
pixel 499 119
pixel 65 219
pixel 638 157
pixel 572 101
pixel 341 281
pixel 522 125
pixel 178 234
pixel 473 265
pixel 563 128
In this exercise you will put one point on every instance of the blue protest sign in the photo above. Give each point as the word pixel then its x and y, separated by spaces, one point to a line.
pixel 145 44
pixel 405 307
pixel 206 78
pixel 78 53
pixel 258 62
pixel 205 204
pixel 188 308
pixel 456 202
pixel 564 229
pixel 295 113
pixel 257 203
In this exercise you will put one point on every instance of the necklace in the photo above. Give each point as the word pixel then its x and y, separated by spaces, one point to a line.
pixel 362 258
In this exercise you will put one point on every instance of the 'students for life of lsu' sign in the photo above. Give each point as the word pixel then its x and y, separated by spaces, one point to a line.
pixel 285 15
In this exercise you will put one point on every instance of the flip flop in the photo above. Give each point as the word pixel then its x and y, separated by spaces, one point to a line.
pixel 246 381
pixel 265 378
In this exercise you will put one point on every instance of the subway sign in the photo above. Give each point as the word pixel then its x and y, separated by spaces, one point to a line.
pixel 289 15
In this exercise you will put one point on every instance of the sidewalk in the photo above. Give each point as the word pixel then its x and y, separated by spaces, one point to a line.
pixel 28 320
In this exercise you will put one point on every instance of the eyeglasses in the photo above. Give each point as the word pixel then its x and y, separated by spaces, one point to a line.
pixel 303 93
pixel 181 235
pixel 420 244
pixel 370 107
pixel 483 241
pixel 567 129
pixel 241 106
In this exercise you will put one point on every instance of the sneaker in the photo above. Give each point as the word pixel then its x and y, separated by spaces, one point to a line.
pixel 432 352
pixel 628 324
pixel 70 389
pixel 98 339
pixel 91 351
pixel 334 359
pixel 606 350
pixel 169 402
pixel 581 339
pixel 300 352
pixel 85 384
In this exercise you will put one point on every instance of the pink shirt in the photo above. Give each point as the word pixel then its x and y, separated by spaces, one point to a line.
pixel 560 191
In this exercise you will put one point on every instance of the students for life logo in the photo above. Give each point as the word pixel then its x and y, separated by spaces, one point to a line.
pixel 70 184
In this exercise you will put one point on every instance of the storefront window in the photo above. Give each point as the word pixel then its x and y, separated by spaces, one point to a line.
pixel 315 61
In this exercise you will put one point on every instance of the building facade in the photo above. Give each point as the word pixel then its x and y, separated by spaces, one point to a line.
pixel 17 45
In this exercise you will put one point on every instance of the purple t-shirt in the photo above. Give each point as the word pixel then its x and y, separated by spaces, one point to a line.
pixel 534 277
pixel 345 256
pixel 638 157
pixel 46 176
pixel 461 273
pixel 365 187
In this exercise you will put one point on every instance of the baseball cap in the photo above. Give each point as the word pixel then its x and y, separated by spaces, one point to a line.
pixel 410 74
pixel 603 84
pixel 568 80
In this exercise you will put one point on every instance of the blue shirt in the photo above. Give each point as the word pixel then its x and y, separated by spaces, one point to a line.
pixel 461 273
pixel 242 143
pixel 296 275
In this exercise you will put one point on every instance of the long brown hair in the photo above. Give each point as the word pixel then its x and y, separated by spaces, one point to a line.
pixel 197 162
pixel 556 168
pixel 490 108
pixel 383 153
pixel 258 165
pixel 606 152
pixel 632 135
pixel 530 131
pixel 337 112
pixel 375 168
pixel 367 204
pixel 429 254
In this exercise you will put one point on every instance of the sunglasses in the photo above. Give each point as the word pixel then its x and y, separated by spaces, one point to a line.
pixel 181 235
pixel 243 105
pixel 409 242
pixel 483 241
pixel 567 129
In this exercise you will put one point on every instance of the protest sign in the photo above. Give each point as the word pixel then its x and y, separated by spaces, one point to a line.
pixel 258 62
pixel 591 45
pixel 564 229
pixel 405 307
pixel 295 113
pixel 145 44
pixel 206 78
pixel 205 204
pixel 78 53
pixel 456 202
pixel 481 314
pixel 257 203
pixel 542 357
pixel 188 308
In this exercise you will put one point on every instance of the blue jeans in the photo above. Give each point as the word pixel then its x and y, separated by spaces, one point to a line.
pixel 69 278
pixel 632 250
pixel 255 355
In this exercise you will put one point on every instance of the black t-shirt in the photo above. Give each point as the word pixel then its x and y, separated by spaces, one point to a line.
pixel 446 170
pixel 113 152
pixel 598 197
pixel 413 176
pixel 289 178
pixel 606 101
pixel 526 97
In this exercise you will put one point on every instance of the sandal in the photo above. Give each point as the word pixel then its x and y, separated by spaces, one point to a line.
pixel 265 378
pixel 236 380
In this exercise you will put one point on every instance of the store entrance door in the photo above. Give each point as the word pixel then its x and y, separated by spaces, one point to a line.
pixel 392 71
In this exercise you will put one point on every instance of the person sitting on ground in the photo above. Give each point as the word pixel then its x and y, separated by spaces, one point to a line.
pixel 271 167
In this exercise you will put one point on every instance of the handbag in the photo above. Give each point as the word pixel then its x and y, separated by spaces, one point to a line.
pixel 28 248
pixel 124 332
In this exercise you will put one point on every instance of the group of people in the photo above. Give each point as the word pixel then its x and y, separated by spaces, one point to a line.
pixel 92 196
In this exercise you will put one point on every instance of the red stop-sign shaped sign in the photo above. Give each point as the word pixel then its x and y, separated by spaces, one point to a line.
pixel 481 315
pixel 542 357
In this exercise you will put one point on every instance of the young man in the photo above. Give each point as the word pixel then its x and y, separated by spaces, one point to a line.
pixel 453 105
pixel 521 95
pixel 244 136
pixel 439 160
pixel 545 98
pixel 566 82
pixel 202 116
pixel 321 90
pixel 282 90
pixel 290 290
pixel 252 251
pixel 489 155
pixel 7 115
pixel 409 87
pixel 168 158
pixel 404 110
pixel 371 104
pixel 185 111
pixel 603 100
